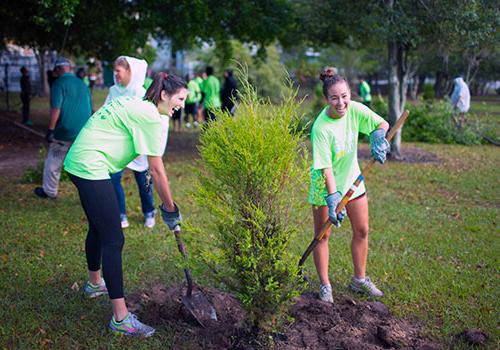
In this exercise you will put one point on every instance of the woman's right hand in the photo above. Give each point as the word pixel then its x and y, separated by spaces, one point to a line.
pixel 333 200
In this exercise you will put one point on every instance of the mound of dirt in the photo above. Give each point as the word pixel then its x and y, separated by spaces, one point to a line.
pixel 347 324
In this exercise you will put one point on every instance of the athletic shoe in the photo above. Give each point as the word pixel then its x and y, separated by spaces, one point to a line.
pixel 93 291
pixel 149 222
pixel 365 287
pixel 41 193
pixel 195 124
pixel 124 221
pixel 325 293
pixel 131 327
pixel 188 125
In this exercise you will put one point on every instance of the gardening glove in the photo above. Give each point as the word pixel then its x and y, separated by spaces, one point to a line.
pixel 333 200
pixel 379 145
pixel 172 219
pixel 49 137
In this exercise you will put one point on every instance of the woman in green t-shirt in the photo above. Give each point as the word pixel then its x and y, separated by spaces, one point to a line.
pixel 334 138
pixel 113 136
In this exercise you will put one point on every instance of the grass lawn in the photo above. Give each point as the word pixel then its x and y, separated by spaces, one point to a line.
pixel 434 251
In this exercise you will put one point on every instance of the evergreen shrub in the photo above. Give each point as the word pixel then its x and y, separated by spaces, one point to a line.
pixel 250 169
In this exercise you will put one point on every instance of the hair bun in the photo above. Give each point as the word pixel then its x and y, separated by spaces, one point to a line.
pixel 328 72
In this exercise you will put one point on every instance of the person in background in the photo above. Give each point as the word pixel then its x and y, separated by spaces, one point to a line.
pixel 115 135
pixel 82 74
pixel 460 100
pixel 177 120
pixel 25 83
pixel 334 139
pixel 200 80
pixel 192 101
pixel 229 94
pixel 211 90
pixel 71 107
pixel 129 78
pixel 365 92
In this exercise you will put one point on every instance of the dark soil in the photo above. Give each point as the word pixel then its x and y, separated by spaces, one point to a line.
pixel 409 154
pixel 347 324
pixel 18 148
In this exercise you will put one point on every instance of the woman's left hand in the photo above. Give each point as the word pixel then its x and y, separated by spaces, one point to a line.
pixel 379 145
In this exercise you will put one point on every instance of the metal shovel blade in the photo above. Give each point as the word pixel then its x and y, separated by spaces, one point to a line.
pixel 200 308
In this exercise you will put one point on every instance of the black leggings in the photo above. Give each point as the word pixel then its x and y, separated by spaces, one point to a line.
pixel 105 237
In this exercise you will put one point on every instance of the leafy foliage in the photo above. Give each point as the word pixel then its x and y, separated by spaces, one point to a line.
pixel 431 122
pixel 249 164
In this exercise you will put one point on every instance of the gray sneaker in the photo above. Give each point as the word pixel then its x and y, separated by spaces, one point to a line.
pixel 92 291
pixel 325 293
pixel 366 287
pixel 131 327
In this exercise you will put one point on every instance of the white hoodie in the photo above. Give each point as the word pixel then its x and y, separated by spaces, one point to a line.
pixel 461 94
pixel 135 87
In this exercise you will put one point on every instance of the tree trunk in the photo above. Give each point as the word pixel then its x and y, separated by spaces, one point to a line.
pixel 42 63
pixel 399 72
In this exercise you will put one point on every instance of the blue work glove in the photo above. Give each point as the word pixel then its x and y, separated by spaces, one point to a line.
pixel 49 137
pixel 172 219
pixel 333 200
pixel 379 145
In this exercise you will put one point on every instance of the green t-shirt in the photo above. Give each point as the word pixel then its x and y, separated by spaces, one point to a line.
pixel 194 92
pixel 334 145
pixel 115 135
pixel 72 96
pixel 211 88
pixel 364 91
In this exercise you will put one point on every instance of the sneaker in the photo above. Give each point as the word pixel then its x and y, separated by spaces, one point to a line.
pixel 188 125
pixel 93 291
pixel 124 221
pixel 149 222
pixel 325 293
pixel 41 193
pixel 131 327
pixel 366 287
pixel 195 124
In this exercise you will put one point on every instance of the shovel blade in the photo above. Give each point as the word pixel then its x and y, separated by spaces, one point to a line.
pixel 200 308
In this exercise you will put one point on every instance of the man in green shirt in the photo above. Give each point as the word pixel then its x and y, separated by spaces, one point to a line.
pixel 211 89
pixel 71 107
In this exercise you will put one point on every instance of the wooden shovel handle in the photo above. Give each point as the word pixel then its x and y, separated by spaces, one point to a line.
pixel 349 193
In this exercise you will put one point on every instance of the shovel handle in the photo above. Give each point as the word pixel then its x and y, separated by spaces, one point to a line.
pixel 350 192
pixel 182 249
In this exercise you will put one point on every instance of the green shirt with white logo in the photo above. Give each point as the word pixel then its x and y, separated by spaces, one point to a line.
pixel 335 145
pixel 115 135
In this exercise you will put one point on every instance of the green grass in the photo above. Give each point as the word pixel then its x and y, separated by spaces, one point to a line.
pixel 486 111
pixel 433 249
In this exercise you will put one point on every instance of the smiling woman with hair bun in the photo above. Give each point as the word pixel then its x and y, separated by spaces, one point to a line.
pixel 334 138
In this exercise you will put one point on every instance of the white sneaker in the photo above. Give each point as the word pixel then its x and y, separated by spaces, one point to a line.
pixel 149 222
pixel 325 293
pixel 367 287
pixel 188 125
pixel 124 221
pixel 196 124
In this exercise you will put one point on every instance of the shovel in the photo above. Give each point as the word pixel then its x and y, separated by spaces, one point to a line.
pixel 348 196
pixel 196 303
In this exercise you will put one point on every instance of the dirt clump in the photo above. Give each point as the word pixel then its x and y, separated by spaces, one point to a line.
pixel 346 324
